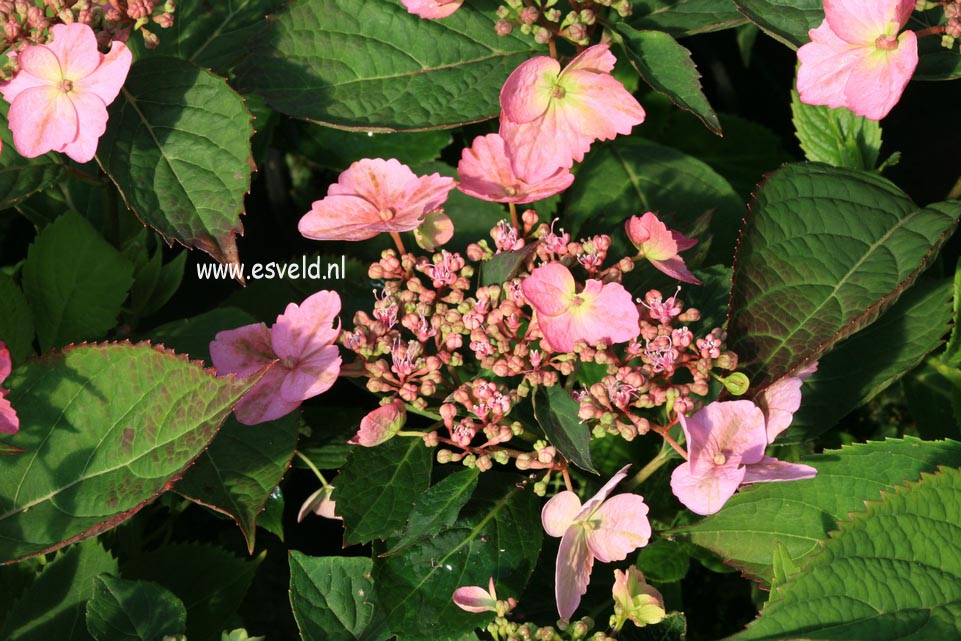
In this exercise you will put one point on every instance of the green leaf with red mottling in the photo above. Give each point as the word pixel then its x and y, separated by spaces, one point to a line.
pixel 107 428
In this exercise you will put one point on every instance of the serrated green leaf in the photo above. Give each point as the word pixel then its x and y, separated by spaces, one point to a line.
pixel 107 428
pixel 377 487
pixel 123 610
pixel 242 466
pixel 836 136
pixel 864 365
pixel 892 572
pixel 786 20
pixel 177 146
pixel 782 568
pixel 933 395
pixel 336 149
pixel 373 66
pixel 667 67
pixel 663 561
pixel 497 534
pixel 556 413
pixel 952 351
pixel 799 514
pixel 21 177
pixel 437 508
pixel 77 299
pixel 16 320
pixel 686 17
pixel 331 596
pixel 210 582
pixel 824 251
pixel 53 606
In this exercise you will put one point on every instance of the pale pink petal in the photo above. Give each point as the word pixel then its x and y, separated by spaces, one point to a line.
pixel 540 148
pixel 6 363
pixel 381 182
pixel 42 119
pixel 878 80
pixel 572 572
pixel 527 92
pixel 425 194
pixel 75 46
pixel 312 375
pixel 771 469
pixel 42 63
pixel 682 241
pixel 600 105
pixel 549 289
pixel 861 21
pixel 675 268
pixel 108 78
pixel 242 351
pixel 305 328
pixel 380 425
pixel 92 113
pixel 9 421
pixel 485 172
pixel 595 501
pixel 320 504
pixel 825 67
pixel 620 527
pixel 706 493
pixel 474 598
pixel 651 237
pixel 341 218
pixel 263 402
pixel 597 59
pixel 806 372
pixel 733 430
pixel 559 512
pixel 21 82
pixel 779 401
pixel 432 9
pixel 609 313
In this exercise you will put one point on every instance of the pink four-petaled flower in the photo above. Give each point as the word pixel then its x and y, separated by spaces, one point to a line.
pixel 485 172
pixel 660 245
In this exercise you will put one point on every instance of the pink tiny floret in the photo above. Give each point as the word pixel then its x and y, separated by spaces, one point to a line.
pixel 432 9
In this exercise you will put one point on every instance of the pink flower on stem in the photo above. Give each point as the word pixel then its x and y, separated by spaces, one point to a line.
pixel 601 311
pixel 726 442
pixel 380 425
pixel 300 345
pixel 603 529
pixel 485 172
pixel 432 9
pixel 58 99
pixel 374 196
pixel 550 117
pixel 660 245
pixel 856 59
pixel 474 598
pixel 9 421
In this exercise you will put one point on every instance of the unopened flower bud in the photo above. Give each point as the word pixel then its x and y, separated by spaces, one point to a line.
pixel 502 28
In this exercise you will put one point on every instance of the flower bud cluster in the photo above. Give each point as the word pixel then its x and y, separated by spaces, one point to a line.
pixel 543 20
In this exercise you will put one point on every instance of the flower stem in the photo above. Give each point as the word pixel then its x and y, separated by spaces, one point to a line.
pixel 313 467
pixel 670 441
pixel 514 220
pixel 652 466
pixel 398 242
pixel 936 30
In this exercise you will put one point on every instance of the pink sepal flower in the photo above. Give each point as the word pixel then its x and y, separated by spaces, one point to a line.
pixel 637 600
pixel 603 529
pixel 320 504
pixel 485 172
pixel 856 59
pixel 380 425
pixel 432 9
pixel 58 99
pixel 374 196
pixel 300 345
pixel 601 311
pixel 550 117
pixel 660 245
pixel 474 598
pixel 9 421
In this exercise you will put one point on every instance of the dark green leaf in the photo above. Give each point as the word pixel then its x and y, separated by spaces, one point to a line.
pixel 178 148
pixel 504 266
pixel 336 149
pixel 786 20
pixel 437 508
pixel 952 351
pixel 556 413
pixel 686 17
pixel 192 336
pixel 16 320
pixel 133 611
pixel 836 136
pixel 331 596
pixel 933 394
pixel 663 562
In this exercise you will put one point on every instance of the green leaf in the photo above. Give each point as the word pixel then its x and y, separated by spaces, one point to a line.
pixel 498 534
pixel 336 149
pixel 685 17
pixel 933 395
pixel 192 336
pixel 631 176
pixel 107 428
pixel 952 351
pixel 672 628
pixel 377 487
pixel 209 581
pixel 801 513
pixel 329 430
pixel 21 177
pixel 864 365
pixel 16 320
pixel 53 606
pixel 783 567
pixel 437 508
pixel 824 251
pixel 786 20
pixel 331 596
pixel 504 266
pixel 556 413
pixel 242 466
pixel 77 299
pixel 667 67
pixel 663 561
pixel 934 61
pixel 178 148
pixel 373 66
pixel 836 136
pixel 6 448
pixel 892 572
pixel 123 610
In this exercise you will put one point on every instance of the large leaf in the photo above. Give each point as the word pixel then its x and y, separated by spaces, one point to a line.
pixel 377 486
pixel 336 149
pixel 80 298
pixel 107 428
pixel 16 320
pixel 53 606
pixel 437 508
pixel 892 572
pixel 686 17
pixel 498 534
pixel 667 67
pixel 331 596
pixel 243 465
pixel 836 136
pixel 786 20
pixel 824 251
pixel 373 66
pixel 20 177
pixel 178 148
pixel 557 415
pixel 801 513
pixel 858 369
pixel 123 610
